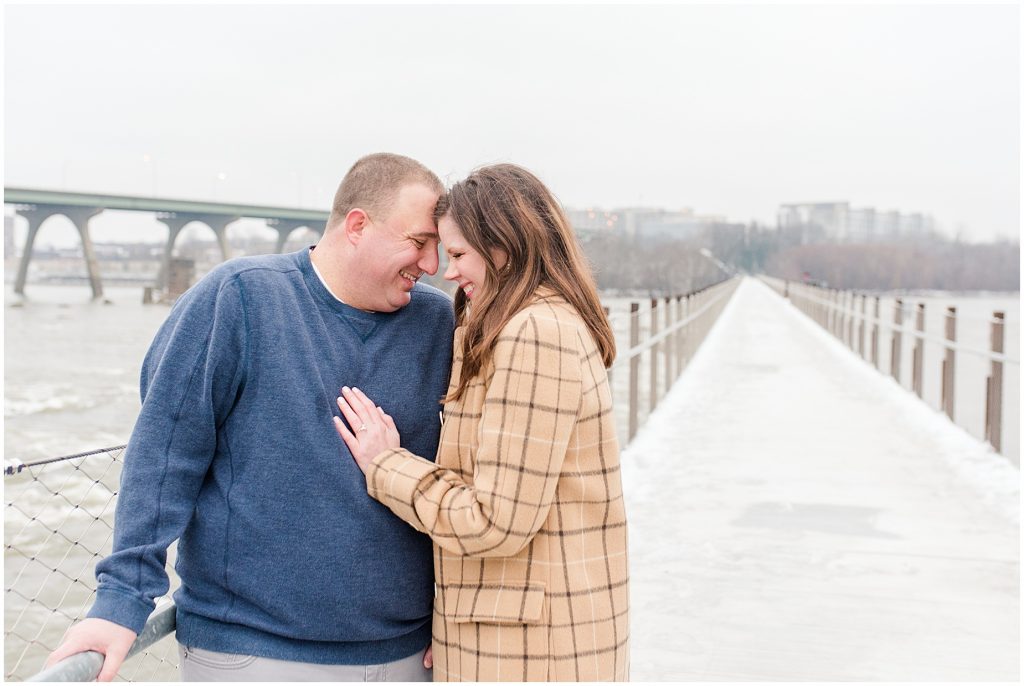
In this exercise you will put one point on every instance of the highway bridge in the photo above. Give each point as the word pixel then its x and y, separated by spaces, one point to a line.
pixel 39 205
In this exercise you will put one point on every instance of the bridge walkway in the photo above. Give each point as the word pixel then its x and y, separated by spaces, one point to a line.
pixel 795 515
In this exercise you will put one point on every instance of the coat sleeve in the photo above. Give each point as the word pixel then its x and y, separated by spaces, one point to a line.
pixel 530 409
pixel 190 379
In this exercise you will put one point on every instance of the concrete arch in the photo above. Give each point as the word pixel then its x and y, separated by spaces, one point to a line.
pixel 286 228
pixel 80 217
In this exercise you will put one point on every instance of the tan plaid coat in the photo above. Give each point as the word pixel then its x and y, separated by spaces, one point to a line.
pixel 525 509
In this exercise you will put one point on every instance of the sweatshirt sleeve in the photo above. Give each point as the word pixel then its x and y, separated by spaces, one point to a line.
pixel 191 376
pixel 529 412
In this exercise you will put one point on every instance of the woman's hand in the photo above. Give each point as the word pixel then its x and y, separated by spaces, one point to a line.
pixel 373 430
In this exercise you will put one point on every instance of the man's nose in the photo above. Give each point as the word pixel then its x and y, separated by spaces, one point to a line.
pixel 429 261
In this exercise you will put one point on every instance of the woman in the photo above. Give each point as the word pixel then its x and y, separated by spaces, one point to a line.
pixel 524 503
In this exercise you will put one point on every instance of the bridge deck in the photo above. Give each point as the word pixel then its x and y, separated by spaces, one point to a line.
pixel 795 515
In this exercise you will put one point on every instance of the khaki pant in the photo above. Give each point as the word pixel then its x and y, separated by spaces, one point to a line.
pixel 206 665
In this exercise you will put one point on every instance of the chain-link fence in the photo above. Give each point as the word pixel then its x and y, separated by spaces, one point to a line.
pixel 58 523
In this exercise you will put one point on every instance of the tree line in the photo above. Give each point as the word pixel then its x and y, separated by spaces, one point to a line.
pixel 927 261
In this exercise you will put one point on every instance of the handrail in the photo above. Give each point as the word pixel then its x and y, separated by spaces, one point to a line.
pixel 665 333
pixel 86 666
pixel 836 311
pixel 14 466
pixel 910 331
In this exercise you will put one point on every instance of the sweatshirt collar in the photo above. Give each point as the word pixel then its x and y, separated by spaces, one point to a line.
pixel 320 276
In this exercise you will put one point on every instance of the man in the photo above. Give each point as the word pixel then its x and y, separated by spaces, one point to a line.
pixel 289 570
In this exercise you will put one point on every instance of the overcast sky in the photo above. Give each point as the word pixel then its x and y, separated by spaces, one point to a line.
pixel 727 110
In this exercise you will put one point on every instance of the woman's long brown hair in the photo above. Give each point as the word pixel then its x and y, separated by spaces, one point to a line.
pixel 505 207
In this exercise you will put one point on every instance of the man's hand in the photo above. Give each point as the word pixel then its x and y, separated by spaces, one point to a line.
pixel 112 640
pixel 428 657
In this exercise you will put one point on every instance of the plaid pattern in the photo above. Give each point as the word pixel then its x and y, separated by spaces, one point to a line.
pixel 525 509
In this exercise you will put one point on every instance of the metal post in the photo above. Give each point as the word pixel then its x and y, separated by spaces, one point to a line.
pixel 863 325
pixel 837 314
pixel 829 315
pixel 634 368
pixel 851 318
pixel 844 320
pixel 918 365
pixel 949 364
pixel 994 404
pixel 823 307
pixel 844 316
pixel 691 330
pixel 680 334
pixel 669 343
pixel 874 332
pixel 653 351
pixel 848 319
pixel 840 319
pixel 897 340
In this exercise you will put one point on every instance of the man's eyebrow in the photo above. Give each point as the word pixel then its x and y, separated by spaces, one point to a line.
pixel 424 234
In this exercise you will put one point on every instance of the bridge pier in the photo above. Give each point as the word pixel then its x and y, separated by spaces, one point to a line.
pixel 35 219
pixel 80 217
pixel 175 222
pixel 174 226
pixel 220 226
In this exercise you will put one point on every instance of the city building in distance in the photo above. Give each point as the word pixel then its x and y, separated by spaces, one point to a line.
pixel 642 224
pixel 838 222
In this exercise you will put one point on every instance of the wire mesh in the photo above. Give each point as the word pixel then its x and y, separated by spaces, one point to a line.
pixel 58 523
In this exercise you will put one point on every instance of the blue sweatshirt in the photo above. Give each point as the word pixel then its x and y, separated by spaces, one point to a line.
pixel 282 553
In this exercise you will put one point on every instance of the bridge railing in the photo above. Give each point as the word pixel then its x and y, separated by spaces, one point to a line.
pixel 59 514
pixel 656 340
pixel 887 342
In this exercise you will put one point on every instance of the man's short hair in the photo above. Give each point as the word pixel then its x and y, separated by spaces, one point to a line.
pixel 374 181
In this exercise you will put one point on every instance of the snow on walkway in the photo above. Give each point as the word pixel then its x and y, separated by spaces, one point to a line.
pixel 795 515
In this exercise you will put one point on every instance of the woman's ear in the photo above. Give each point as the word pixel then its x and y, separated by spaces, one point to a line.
pixel 500 258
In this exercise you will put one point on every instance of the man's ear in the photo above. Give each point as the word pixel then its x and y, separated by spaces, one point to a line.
pixel 354 224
